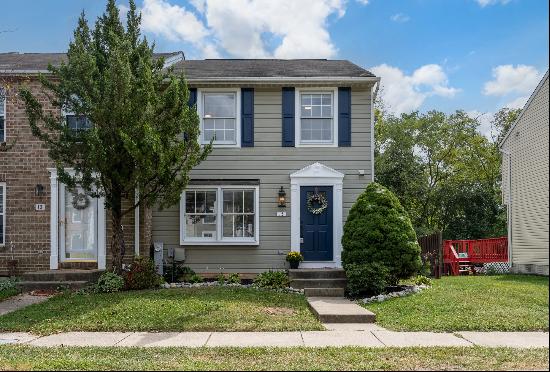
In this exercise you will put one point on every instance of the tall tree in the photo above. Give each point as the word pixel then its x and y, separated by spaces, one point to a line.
pixel 138 113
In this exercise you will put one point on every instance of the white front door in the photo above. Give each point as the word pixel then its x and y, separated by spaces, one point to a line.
pixel 78 225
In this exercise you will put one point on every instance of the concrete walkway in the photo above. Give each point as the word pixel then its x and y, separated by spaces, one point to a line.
pixel 366 335
pixel 19 301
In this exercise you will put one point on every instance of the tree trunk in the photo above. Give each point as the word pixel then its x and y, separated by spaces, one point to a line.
pixel 118 247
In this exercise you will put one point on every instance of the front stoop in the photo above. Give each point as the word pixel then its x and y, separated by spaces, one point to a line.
pixel 339 310
pixel 319 282
pixel 57 279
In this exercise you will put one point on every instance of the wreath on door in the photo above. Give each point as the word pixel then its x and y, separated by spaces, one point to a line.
pixel 317 199
pixel 80 200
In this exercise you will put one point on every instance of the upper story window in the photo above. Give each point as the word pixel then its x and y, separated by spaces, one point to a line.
pixel 77 122
pixel 2 115
pixel 316 119
pixel 219 215
pixel 2 214
pixel 219 112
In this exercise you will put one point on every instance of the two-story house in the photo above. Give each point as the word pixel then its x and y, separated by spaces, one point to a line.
pixel 293 148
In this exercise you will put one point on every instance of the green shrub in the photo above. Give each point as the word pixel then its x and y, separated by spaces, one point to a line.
pixel 366 279
pixel 195 278
pixel 422 280
pixel 142 274
pixel 109 282
pixel 8 288
pixel 181 273
pixel 234 278
pixel 272 279
pixel 378 230
pixel 220 279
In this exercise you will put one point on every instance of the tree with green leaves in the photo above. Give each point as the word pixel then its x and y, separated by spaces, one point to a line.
pixel 138 113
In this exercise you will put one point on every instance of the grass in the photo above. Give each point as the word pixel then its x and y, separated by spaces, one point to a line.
pixel 189 309
pixel 464 303
pixel 348 358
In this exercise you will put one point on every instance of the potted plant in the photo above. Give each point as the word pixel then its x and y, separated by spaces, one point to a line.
pixel 294 259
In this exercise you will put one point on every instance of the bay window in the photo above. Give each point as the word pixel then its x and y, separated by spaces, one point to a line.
pixel 219 215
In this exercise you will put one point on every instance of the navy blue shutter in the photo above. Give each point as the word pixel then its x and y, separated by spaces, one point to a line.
pixel 344 117
pixel 191 102
pixel 288 117
pixel 247 117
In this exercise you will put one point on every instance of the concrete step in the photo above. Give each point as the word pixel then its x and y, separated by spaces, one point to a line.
pixel 27 286
pixel 324 292
pixel 62 275
pixel 316 274
pixel 339 310
pixel 318 283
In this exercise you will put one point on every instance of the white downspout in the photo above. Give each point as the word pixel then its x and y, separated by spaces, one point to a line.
pixel 136 225
pixel 509 203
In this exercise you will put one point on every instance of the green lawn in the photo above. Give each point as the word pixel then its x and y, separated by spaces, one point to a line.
pixel 348 358
pixel 481 303
pixel 190 309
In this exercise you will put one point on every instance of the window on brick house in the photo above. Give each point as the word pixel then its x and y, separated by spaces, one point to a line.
pixel 75 122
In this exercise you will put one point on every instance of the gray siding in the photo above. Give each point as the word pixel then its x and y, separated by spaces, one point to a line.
pixel 272 165
pixel 527 145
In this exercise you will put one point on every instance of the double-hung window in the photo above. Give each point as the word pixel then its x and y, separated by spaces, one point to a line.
pixel 316 117
pixel 2 115
pixel 76 123
pixel 219 112
pixel 219 215
pixel 2 214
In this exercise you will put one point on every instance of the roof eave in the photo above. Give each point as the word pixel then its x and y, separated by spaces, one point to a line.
pixel 284 80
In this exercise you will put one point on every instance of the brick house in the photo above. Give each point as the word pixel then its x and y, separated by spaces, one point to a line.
pixel 293 148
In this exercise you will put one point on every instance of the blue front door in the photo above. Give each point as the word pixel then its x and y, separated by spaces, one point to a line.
pixel 316 223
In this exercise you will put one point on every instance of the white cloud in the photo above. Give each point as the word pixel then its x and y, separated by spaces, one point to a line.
pixel 364 2
pixel 484 3
pixel 485 125
pixel 123 11
pixel 239 28
pixel 405 93
pixel 400 18
pixel 508 79
pixel 517 103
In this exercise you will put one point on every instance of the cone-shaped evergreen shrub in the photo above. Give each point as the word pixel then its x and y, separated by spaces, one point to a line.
pixel 378 230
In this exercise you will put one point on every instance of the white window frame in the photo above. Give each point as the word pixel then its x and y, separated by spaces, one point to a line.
pixel 3 215
pixel 4 103
pixel 200 111
pixel 298 116
pixel 220 240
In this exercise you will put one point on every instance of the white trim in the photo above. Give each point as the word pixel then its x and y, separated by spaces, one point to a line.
pixel 317 175
pixel 372 144
pixel 5 103
pixel 136 224
pixel 298 116
pixel 3 216
pixel 219 221
pixel 237 92
pixel 286 79
pixel 55 229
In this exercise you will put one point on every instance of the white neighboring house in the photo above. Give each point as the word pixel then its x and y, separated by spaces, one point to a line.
pixel 525 184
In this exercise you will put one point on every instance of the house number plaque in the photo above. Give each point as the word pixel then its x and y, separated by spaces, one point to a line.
pixel 40 207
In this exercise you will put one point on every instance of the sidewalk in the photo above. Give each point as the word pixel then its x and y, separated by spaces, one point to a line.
pixel 336 335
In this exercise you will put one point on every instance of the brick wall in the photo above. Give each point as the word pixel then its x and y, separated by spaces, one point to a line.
pixel 23 165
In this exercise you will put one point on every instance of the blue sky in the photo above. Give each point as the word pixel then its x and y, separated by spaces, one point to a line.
pixel 476 55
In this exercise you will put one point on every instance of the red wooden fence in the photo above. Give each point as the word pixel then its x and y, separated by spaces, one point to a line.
pixel 461 255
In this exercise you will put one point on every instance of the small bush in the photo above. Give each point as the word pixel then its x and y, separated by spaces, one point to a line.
pixel 195 278
pixel 142 274
pixel 220 279
pixel 366 279
pixel 234 278
pixel 422 280
pixel 8 288
pixel 109 282
pixel 181 273
pixel 272 279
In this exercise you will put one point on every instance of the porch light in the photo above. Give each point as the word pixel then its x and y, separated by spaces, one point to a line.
pixel 39 190
pixel 282 198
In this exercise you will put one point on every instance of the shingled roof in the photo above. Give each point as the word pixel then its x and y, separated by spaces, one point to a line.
pixel 31 62
pixel 269 68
